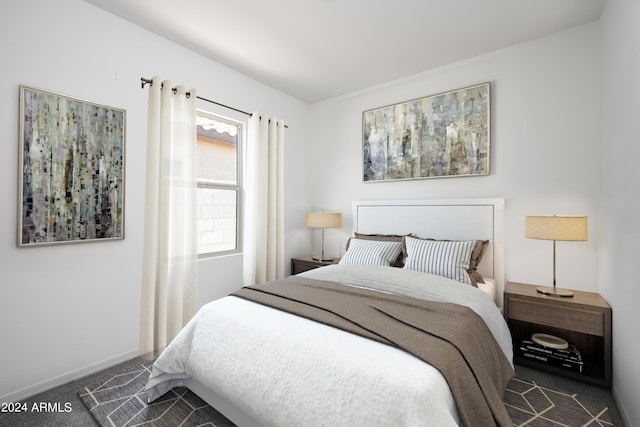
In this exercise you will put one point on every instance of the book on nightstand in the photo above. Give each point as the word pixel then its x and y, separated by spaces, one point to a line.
pixel 568 358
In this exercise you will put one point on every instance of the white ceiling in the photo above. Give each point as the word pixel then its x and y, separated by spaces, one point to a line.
pixel 319 49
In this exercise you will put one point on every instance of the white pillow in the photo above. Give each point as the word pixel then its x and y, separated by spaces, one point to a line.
pixel 371 252
pixel 444 258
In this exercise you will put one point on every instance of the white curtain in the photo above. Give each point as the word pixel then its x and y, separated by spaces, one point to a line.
pixel 264 201
pixel 169 276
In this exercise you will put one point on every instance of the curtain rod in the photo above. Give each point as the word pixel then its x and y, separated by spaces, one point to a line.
pixel 144 82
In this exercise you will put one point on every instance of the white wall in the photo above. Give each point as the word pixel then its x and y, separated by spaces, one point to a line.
pixel 619 228
pixel 67 310
pixel 544 157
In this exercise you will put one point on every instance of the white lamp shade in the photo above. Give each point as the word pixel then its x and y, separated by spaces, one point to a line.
pixel 569 228
pixel 323 219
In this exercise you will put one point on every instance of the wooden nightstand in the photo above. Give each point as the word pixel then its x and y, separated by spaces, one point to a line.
pixel 583 320
pixel 304 263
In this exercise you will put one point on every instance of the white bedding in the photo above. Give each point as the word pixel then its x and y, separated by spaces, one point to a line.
pixel 283 370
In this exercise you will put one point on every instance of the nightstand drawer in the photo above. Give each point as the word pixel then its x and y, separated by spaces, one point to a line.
pixel 576 319
pixel 307 262
pixel 302 266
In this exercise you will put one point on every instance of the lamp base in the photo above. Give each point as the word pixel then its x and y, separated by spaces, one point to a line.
pixel 321 259
pixel 555 292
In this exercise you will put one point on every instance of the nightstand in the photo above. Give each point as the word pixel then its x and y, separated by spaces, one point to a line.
pixel 583 320
pixel 304 263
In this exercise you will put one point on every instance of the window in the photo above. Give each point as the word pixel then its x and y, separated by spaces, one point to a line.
pixel 218 184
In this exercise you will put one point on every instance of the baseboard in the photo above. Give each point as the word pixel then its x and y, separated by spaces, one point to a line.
pixel 621 408
pixel 43 386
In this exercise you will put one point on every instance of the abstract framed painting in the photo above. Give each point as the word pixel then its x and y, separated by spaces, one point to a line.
pixel 443 135
pixel 71 170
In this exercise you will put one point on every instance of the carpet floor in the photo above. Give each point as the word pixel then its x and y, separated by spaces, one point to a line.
pixel 114 398
pixel 120 401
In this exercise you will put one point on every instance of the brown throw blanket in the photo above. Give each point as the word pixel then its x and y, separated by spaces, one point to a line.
pixel 452 338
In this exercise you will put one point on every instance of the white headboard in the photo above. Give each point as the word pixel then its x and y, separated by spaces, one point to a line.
pixel 454 219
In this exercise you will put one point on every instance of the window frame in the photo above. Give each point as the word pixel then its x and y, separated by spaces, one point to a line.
pixel 237 187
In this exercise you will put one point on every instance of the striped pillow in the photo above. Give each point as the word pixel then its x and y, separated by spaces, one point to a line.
pixel 371 252
pixel 444 258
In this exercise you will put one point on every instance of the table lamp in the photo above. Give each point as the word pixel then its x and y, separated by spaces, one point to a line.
pixel 567 228
pixel 323 220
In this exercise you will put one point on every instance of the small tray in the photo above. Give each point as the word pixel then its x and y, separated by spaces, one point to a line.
pixel 550 341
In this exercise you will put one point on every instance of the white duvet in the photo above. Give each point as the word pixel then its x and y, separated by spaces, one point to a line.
pixel 283 370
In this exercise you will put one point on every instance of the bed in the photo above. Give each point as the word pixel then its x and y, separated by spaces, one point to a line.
pixel 288 353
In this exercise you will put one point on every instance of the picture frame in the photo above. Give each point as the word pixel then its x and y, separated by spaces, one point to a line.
pixel 71 184
pixel 437 136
